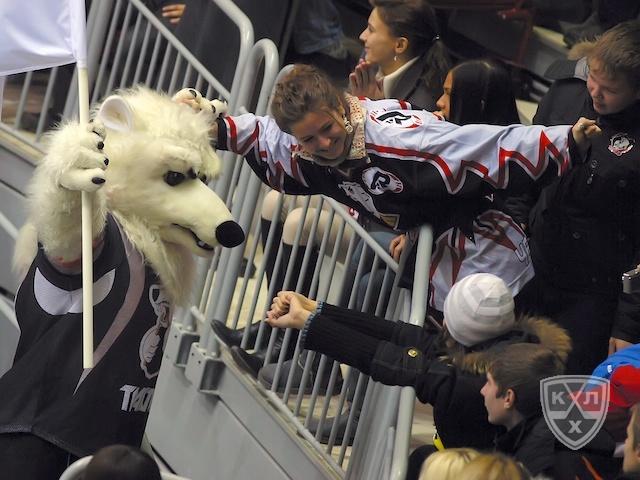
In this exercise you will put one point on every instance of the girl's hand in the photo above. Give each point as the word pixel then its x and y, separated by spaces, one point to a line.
pixel 290 310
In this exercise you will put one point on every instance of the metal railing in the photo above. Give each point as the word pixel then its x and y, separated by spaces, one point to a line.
pixel 127 45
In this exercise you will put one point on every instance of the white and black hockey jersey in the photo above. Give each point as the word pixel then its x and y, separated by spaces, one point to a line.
pixel 47 392
pixel 417 169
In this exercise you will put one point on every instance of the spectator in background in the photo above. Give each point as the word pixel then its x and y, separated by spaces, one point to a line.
pixel 404 55
pixel 512 399
pixel 121 462
pixel 317 29
pixel 478 91
pixel 606 14
pixel 585 226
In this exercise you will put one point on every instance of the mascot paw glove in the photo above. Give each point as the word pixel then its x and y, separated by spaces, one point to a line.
pixel 85 170
pixel 195 100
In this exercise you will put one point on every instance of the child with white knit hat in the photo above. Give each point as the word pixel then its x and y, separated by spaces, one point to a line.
pixel 447 369
pixel 478 307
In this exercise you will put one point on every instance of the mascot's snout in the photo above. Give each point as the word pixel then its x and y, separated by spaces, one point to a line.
pixel 229 234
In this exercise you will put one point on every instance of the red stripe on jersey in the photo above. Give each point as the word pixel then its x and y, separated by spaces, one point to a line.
pixel 403 105
pixel 254 135
pixel 496 231
pixel 232 142
pixel 295 169
pixel 546 144
pixel 455 182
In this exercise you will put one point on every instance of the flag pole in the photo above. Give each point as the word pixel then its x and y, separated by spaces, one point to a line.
pixel 87 237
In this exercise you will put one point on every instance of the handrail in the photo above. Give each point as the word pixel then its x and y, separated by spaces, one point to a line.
pixel 8 227
pixel 408 394
pixel 243 208
pixel 232 11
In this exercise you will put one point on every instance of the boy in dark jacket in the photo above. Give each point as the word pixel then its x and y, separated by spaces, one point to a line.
pixel 512 399
pixel 585 227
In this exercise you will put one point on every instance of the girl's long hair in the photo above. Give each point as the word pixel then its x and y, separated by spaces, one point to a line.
pixel 482 92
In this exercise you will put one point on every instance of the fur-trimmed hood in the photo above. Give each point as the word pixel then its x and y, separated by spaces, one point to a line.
pixel 529 329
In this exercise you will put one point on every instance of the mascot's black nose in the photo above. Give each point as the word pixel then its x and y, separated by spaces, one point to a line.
pixel 229 234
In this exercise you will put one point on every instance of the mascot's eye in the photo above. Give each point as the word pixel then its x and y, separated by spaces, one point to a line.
pixel 174 178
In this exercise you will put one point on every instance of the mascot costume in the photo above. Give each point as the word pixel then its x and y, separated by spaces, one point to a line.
pixel 148 160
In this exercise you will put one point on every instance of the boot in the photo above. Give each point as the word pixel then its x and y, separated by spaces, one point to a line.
pixel 267 374
pixel 276 286
pixel 253 362
pixel 231 337
pixel 341 428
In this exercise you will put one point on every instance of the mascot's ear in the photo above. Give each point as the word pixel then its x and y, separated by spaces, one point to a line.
pixel 116 114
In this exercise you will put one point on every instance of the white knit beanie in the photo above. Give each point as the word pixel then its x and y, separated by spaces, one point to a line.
pixel 478 307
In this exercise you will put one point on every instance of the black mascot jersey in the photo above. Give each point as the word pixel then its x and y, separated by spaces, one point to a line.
pixel 47 392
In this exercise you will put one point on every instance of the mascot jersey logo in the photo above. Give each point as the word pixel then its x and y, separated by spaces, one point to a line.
pixel 153 339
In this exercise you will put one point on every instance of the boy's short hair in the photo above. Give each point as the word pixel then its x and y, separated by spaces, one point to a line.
pixel 520 367
pixel 617 51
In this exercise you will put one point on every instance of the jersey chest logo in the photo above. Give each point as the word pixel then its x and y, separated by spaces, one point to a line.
pixel 379 181
pixel 150 349
pixel 621 143
pixel 395 119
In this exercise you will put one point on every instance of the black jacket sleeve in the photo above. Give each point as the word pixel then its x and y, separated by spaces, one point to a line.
pixel 399 333
pixel 385 361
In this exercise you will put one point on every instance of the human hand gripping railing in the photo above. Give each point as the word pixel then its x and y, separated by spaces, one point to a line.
pixel 408 394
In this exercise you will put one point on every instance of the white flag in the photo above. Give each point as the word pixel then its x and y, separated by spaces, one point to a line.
pixel 37 34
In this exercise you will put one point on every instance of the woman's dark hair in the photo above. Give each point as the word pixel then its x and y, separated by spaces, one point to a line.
pixel 121 462
pixel 416 21
pixel 482 92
